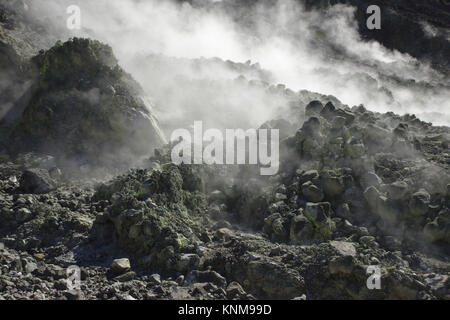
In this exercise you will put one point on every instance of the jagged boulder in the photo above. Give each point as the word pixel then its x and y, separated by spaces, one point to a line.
pixel 418 204
pixel 120 266
pixel 333 183
pixel 309 138
pixel 273 280
pixel 328 111
pixel 310 175
pixel 354 148
pixel 302 230
pixel 313 108
pixel 312 192
pixel 37 181
pixel 314 224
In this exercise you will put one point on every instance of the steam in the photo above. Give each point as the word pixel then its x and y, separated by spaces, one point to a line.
pixel 319 51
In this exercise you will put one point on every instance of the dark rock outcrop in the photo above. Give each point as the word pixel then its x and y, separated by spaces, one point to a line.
pixel 85 109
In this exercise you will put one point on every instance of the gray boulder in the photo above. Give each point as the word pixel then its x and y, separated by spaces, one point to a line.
pixel 333 185
pixel 197 276
pixel 418 204
pixel 313 108
pixel 120 266
pixel 302 230
pixel 397 190
pixel 37 181
pixel 311 192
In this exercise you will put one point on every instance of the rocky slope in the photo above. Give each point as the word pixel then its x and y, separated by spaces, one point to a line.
pixel 356 188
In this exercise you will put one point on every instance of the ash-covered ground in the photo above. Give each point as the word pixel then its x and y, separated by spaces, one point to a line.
pixel 86 177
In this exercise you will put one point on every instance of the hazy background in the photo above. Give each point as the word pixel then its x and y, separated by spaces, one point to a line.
pixel 316 51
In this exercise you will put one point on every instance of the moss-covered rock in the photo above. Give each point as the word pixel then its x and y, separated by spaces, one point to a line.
pixel 86 109
pixel 156 215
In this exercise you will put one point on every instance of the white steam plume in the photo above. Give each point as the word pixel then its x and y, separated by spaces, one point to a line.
pixel 316 51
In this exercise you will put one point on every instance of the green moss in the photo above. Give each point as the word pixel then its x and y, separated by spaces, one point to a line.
pixel 3 35
pixel 183 241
